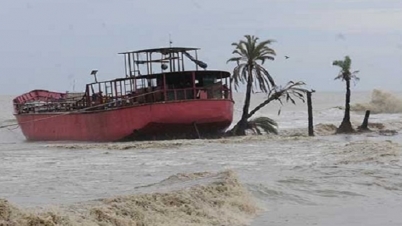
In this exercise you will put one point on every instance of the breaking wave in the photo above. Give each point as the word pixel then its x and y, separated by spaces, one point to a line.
pixel 381 102
pixel 212 199
pixel 325 129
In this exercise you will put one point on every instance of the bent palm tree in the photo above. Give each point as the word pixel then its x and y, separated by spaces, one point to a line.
pixel 346 75
pixel 250 52
pixel 290 91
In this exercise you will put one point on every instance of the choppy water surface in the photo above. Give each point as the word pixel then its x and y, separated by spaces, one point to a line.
pixel 294 179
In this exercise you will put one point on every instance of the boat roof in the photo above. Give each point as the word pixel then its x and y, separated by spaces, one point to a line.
pixel 223 74
pixel 163 50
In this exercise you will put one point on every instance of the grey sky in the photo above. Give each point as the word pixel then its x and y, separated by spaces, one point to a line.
pixel 49 43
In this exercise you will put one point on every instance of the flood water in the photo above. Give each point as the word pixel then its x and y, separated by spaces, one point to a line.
pixel 294 179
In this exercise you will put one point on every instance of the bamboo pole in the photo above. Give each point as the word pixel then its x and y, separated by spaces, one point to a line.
pixel 310 114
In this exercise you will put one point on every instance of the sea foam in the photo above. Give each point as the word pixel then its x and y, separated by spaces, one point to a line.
pixel 183 199
pixel 381 102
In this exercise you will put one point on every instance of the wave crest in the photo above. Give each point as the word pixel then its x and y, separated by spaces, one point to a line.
pixel 381 102
pixel 223 200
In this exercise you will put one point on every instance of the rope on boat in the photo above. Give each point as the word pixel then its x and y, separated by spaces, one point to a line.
pixel 72 112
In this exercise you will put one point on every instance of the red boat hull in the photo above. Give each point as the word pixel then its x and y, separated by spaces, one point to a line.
pixel 185 119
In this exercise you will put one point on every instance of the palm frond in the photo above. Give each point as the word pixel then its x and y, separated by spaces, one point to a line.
pixel 347 63
pixel 248 51
pixel 263 52
pixel 340 76
pixel 238 75
pixel 271 81
pixel 234 59
pixel 261 81
pixel 244 73
pixel 264 123
pixel 240 48
pixel 251 41
pixel 289 92
pixel 354 75
pixel 264 58
pixel 264 44
pixel 338 63
pixel 345 66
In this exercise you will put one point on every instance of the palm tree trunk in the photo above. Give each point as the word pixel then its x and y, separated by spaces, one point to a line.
pixel 347 102
pixel 240 128
pixel 346 126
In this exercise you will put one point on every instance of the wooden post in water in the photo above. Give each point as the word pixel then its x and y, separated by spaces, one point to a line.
pixel 310 114
pixel 364 125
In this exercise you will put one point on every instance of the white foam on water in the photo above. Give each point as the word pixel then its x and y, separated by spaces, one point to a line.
pixel 381 102
pixel 209 199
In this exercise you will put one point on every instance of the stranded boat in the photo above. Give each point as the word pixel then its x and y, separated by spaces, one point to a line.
pixel 172 103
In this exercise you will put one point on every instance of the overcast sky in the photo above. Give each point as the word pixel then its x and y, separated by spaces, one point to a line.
pixel 48 44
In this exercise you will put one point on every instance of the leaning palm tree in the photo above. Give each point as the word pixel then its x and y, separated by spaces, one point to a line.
pixel 346 75
pixel 288 93
pixel 250 52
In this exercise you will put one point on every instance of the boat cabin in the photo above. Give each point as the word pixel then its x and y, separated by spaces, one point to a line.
pixel 161 75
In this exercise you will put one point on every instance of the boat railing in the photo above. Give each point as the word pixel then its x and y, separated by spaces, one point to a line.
pixel 140 97
pixel 155 95
pixel 190 94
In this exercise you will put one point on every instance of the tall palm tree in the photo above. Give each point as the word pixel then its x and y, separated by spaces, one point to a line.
pixel 250 52
pixel 346 75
